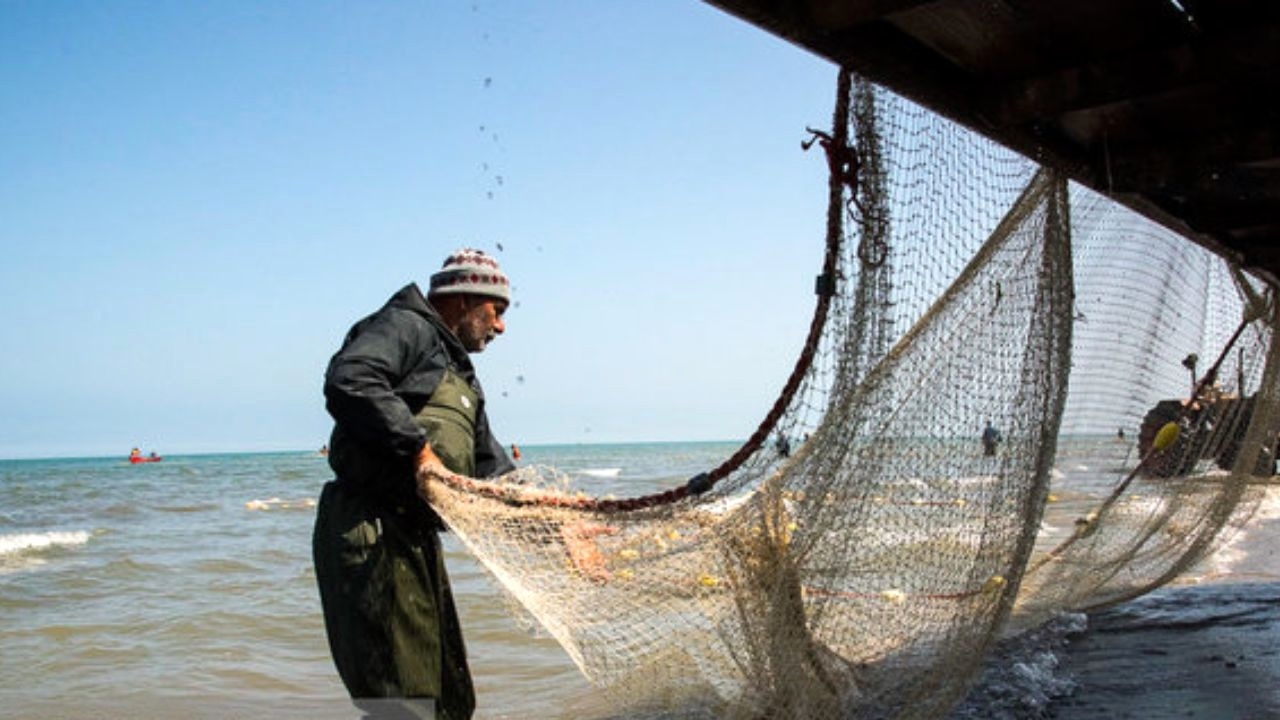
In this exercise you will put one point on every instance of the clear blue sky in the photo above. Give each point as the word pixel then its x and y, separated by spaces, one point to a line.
pixel 198 199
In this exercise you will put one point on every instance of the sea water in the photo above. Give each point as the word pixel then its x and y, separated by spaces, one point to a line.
pixel 185 589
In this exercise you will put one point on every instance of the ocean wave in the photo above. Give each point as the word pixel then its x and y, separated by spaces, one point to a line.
pixel 27 542
pixel 21 551
pixel 276 503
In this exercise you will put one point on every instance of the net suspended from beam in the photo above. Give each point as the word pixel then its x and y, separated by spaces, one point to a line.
pixel 864 572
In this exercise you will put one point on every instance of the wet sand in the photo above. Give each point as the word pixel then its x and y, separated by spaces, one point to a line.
pixel 1210 650
pixel 1217 656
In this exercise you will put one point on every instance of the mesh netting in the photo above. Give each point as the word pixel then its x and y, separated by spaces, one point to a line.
pixel 863 571
pixel 1165 333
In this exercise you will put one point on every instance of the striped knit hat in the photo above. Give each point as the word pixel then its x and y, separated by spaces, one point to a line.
pixel 470 272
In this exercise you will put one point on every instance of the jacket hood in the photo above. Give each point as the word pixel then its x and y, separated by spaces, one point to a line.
pixel 410 298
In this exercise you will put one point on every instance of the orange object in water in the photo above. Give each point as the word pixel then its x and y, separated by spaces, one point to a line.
pixel 136 457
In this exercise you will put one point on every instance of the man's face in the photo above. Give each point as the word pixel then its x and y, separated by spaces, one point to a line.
pixel 481 322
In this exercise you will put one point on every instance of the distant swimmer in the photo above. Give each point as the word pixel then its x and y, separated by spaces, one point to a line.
pixel 990 439
pixel 515 451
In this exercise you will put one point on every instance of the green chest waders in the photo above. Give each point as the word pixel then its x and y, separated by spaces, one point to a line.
pixel 449 418
pixel 392 624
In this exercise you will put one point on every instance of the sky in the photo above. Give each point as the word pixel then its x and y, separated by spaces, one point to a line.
pixel 197 200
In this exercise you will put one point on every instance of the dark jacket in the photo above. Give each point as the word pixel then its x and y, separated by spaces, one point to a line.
pixel 389 365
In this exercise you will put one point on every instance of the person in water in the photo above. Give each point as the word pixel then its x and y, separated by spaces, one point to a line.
pixel 406 404
pixel 990 439
pixel 782 445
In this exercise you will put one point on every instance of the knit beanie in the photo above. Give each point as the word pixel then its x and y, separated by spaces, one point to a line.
pixel 470 272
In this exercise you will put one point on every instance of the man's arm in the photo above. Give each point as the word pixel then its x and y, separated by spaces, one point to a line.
pixel 360 385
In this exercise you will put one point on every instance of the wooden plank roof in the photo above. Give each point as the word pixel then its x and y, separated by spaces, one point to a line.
pixel 1168 106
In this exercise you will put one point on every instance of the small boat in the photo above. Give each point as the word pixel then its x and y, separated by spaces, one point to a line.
pixel 136 457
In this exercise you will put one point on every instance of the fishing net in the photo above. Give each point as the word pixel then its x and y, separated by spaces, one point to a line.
pixel 860 553
pixel 1165 332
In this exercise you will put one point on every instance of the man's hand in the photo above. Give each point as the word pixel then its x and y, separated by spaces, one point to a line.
pixel 584 552
pixel 428 466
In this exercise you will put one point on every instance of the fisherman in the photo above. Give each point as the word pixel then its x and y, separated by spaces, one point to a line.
pixel 406 404
pixel 990 439
pixel 782 445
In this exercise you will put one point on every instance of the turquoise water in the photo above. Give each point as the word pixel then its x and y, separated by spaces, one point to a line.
pixel 184 588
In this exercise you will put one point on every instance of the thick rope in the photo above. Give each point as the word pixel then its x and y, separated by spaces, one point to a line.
pixel 842 166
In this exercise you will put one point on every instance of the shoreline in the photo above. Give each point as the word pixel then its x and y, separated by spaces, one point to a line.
pixel 1206 646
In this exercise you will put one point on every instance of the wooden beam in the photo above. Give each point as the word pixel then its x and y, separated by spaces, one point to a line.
pixel 831 16
pixel 1246 57
pixel 1201 161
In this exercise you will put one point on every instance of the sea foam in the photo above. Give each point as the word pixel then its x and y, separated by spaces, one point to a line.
pixel 25 542
pixel 1022 674
pixel 276 503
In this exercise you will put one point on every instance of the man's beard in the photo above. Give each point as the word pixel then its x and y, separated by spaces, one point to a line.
pixel 474 337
